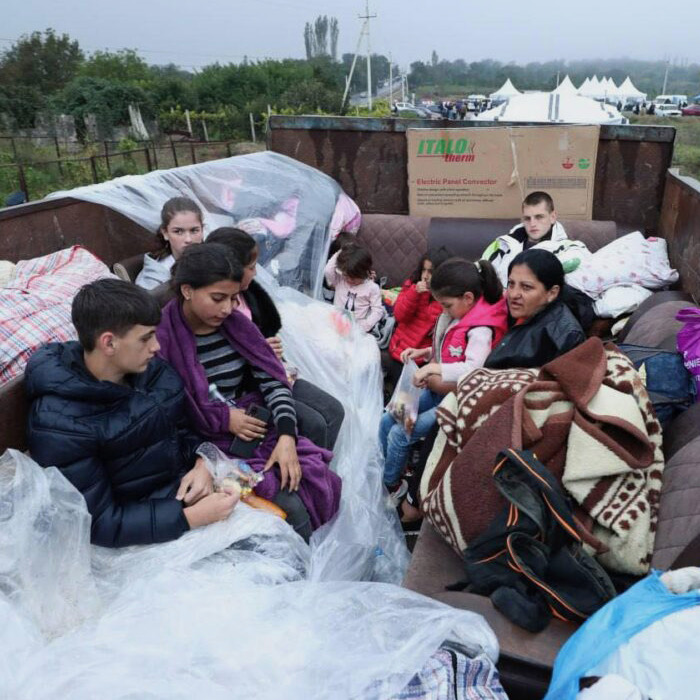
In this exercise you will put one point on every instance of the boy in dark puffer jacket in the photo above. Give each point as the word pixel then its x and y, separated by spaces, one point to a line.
pixel 110 415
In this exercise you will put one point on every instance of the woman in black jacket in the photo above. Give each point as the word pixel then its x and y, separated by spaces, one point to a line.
pixel 319 415
pixel 543 326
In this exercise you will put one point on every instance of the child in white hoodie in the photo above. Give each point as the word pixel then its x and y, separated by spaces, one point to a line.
pixel 350 272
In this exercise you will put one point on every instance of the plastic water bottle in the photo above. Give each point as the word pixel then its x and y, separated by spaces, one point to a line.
pixel 383 571
pixel 216 395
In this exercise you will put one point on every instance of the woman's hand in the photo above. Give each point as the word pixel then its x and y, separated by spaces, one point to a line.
pixel 211 508
pixel 420 378
pixel 275 343
pixel 416 354
pixel 244 426
pixel 285 455
pixel 196 484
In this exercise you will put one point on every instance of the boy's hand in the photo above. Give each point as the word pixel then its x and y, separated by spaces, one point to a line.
pixel 196 484
pixel 211 509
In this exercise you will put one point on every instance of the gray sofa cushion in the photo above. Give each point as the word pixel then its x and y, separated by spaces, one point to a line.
pixel 683 429
pixel 397 243
pixel 656 324
pixel 681 299
pixel 679 508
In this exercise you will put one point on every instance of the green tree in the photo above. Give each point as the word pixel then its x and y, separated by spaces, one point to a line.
pixel 45 61
pixel 124 66
pixel 335 32
pixel 21 103
pixel 108 101
pixel 316 37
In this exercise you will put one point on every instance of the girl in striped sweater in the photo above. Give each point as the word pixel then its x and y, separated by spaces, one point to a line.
pixel 208 341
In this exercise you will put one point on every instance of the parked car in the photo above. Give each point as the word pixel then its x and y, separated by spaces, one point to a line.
pixel 416 113
pixel 691 110
pixel 678 100
pixel 667 111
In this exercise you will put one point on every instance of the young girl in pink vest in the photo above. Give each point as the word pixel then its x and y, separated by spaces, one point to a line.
pixel 473 321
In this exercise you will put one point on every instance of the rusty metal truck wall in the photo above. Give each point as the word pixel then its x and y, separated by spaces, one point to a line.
pixel 368 158
pixel 42 227
pixel 680 226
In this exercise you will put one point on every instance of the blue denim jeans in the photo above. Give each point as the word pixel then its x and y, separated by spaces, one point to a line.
pixel 396 443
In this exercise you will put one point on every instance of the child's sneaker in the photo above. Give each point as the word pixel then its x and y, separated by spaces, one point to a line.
pixel 397 492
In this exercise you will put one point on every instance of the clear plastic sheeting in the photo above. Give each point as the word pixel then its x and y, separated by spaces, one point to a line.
pixel 291 209
pixel 365 540
pixel 44 561
pixel 223 612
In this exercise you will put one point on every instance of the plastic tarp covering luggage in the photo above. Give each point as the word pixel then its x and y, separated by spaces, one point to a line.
pixel 226 611
pixel 291 209
pixel 648 635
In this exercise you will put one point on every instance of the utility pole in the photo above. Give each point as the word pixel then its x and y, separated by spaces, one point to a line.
pixel 663 89
pixel 391 82
pixel 367 17
pixel 348 80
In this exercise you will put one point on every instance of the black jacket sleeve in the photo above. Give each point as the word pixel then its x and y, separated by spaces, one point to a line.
pixel 114 524
pixel 263 310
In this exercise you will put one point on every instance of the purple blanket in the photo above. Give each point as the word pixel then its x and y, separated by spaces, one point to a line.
pixel 320 487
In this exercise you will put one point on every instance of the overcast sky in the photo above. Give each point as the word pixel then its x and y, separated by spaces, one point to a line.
pixel 193 33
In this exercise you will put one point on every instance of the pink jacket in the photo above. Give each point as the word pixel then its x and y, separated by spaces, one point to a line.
pixel 452 344
pixel 364 300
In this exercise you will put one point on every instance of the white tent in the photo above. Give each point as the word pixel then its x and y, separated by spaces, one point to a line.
pixel 505 92
pixel 628 91
pixel 552 108
pixel 610 90
pixel 566 87
pixel 591 89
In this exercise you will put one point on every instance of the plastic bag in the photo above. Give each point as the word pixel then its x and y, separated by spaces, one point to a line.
pixel 229 472
pixel 612 628
pixel 236 476
pixel 688 341
pixel 403 405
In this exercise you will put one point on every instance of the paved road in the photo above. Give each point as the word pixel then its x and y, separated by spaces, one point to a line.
pixel 360 98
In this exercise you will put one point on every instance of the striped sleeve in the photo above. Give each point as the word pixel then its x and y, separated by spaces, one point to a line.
pixel 279 400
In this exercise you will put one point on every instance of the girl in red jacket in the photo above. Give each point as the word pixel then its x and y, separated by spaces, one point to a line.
pixel 473 321
pixel 415 311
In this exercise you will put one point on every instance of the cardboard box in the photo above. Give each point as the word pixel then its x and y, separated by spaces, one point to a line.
pixel 486 172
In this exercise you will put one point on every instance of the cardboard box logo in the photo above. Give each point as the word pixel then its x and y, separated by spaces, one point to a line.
pixel 450 150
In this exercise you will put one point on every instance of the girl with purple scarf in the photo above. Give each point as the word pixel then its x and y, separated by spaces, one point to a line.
pixel 208 342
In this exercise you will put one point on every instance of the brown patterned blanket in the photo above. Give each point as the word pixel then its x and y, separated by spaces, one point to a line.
pixel 588 418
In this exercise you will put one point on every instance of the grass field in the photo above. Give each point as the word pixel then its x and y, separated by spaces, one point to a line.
pixel 686 151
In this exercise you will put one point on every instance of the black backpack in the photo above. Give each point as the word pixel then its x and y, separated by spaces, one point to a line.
pixel 531 560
